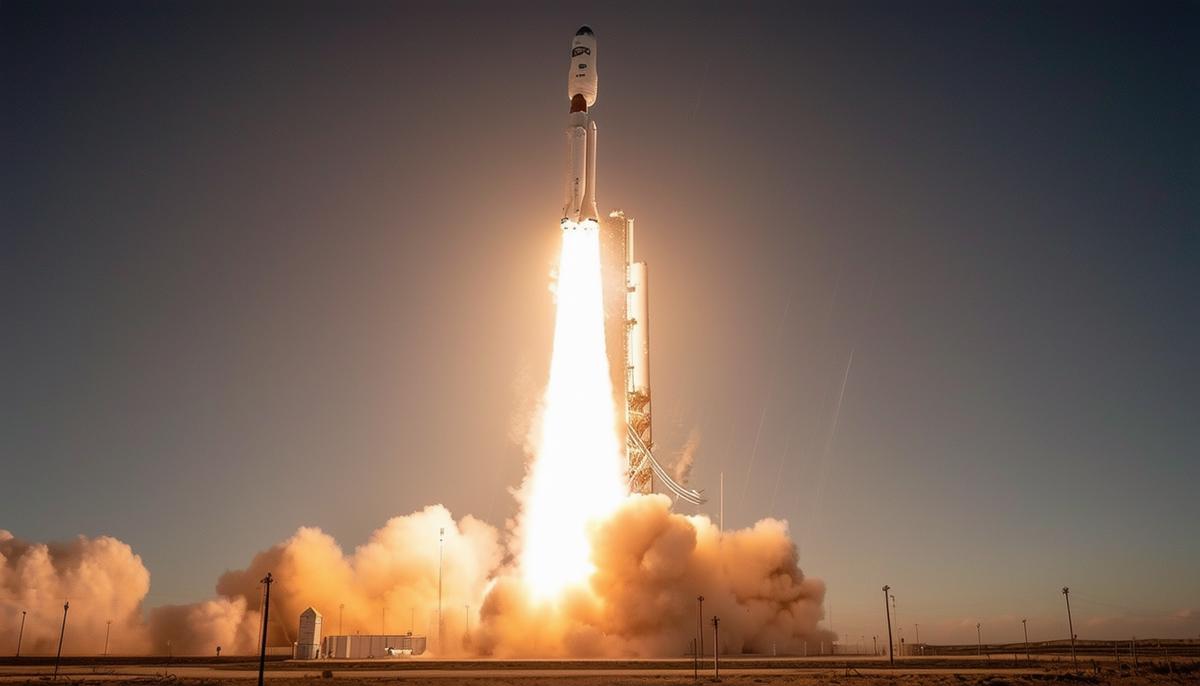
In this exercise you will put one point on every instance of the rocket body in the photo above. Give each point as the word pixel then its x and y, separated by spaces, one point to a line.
pixel 579 204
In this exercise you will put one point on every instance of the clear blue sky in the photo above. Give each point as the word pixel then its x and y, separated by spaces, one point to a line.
pixel 287 264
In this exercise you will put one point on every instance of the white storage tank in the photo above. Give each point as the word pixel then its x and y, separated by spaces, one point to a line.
pixel 308 645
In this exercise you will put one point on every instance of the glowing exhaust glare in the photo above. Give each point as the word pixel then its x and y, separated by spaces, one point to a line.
pixel 575 477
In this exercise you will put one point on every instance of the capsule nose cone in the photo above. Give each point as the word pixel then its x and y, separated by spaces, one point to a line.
pixel 585 31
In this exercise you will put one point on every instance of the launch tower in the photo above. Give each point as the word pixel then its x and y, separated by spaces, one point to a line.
pixel 627 339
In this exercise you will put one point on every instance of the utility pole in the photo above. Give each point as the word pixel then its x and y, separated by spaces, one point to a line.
pixel 341 611
pixel 888 610
pixel 874 645
pixel 21 633
pixel 61 633
pixel 412 620
pixel 262 653
pixel 441 547
pixel 978 640
pixel 1070 627
pixel 107 631
pixel 467 620
pixel 383 620
pixel 716 648
pixel 695 661
pixel 918 629
pixel 1025 628
pixel 700 622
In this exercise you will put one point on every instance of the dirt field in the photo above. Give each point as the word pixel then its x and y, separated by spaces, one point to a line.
pixel 799 672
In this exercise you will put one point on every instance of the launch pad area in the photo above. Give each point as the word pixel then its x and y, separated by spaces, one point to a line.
pixel 867 669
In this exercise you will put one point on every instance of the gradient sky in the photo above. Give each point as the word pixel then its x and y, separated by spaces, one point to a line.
pixel 287 263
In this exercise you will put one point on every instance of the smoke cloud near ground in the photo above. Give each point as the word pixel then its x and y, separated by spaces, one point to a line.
pixel 651 564
pixel 102 579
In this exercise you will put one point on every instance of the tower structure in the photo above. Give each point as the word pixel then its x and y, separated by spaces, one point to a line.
pixel 627 339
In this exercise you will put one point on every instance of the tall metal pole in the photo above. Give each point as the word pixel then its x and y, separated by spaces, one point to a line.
pixel 441 546
pixel 262 652
pixel 918 628
pixel 1070 626
pixel 62 632
pixel 888 610
pixel 700 622
pixel 899 627
pixel 874 645
pixel 341 610
pixel 695 661
pixel 383 620
pixel 716 647
pixel 978 640
pixel 1025 628
pixel 21 633
pixel 107 631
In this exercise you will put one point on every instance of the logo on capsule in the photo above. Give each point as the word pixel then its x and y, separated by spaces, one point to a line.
pixel 580 50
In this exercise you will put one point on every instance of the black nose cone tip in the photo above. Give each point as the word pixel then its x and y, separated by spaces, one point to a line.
pixel 584 31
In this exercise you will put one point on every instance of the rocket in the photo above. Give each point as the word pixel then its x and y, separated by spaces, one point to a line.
pixel 579 205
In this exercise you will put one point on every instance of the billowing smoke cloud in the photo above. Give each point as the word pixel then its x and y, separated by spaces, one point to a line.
pixel 389 583
pixel 651 564
pixel 101 578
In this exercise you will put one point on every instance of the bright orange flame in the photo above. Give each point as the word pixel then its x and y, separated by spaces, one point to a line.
pixel 576 477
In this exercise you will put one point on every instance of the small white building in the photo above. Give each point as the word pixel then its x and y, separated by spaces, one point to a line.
pixel 367 646
pixel 308 645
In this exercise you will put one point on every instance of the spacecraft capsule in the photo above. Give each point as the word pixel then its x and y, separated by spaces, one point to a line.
pixel 581 78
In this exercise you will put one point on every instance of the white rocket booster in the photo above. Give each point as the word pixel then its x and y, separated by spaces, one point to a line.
pixel 579 206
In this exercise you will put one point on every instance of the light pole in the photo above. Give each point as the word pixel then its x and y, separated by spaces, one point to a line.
pixel 61 633
pixel 899 630
pixel 341 611
pixel 1070 626
pixel 888 610
pixel 874 645
pixel 1025 628
pixel 978 640
pixel 21 633
pixel 441 547
pixel 918 633
pixel 383 620
pixel 700 622
pixel 107 631
pixel 716 648
pixel 262 652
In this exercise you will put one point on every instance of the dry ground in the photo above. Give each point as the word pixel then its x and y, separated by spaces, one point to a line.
pixel 926 672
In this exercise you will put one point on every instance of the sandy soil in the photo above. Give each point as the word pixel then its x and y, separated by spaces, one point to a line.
pixel 612 673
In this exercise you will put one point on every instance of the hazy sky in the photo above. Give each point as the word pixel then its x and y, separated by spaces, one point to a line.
pixel 278 264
